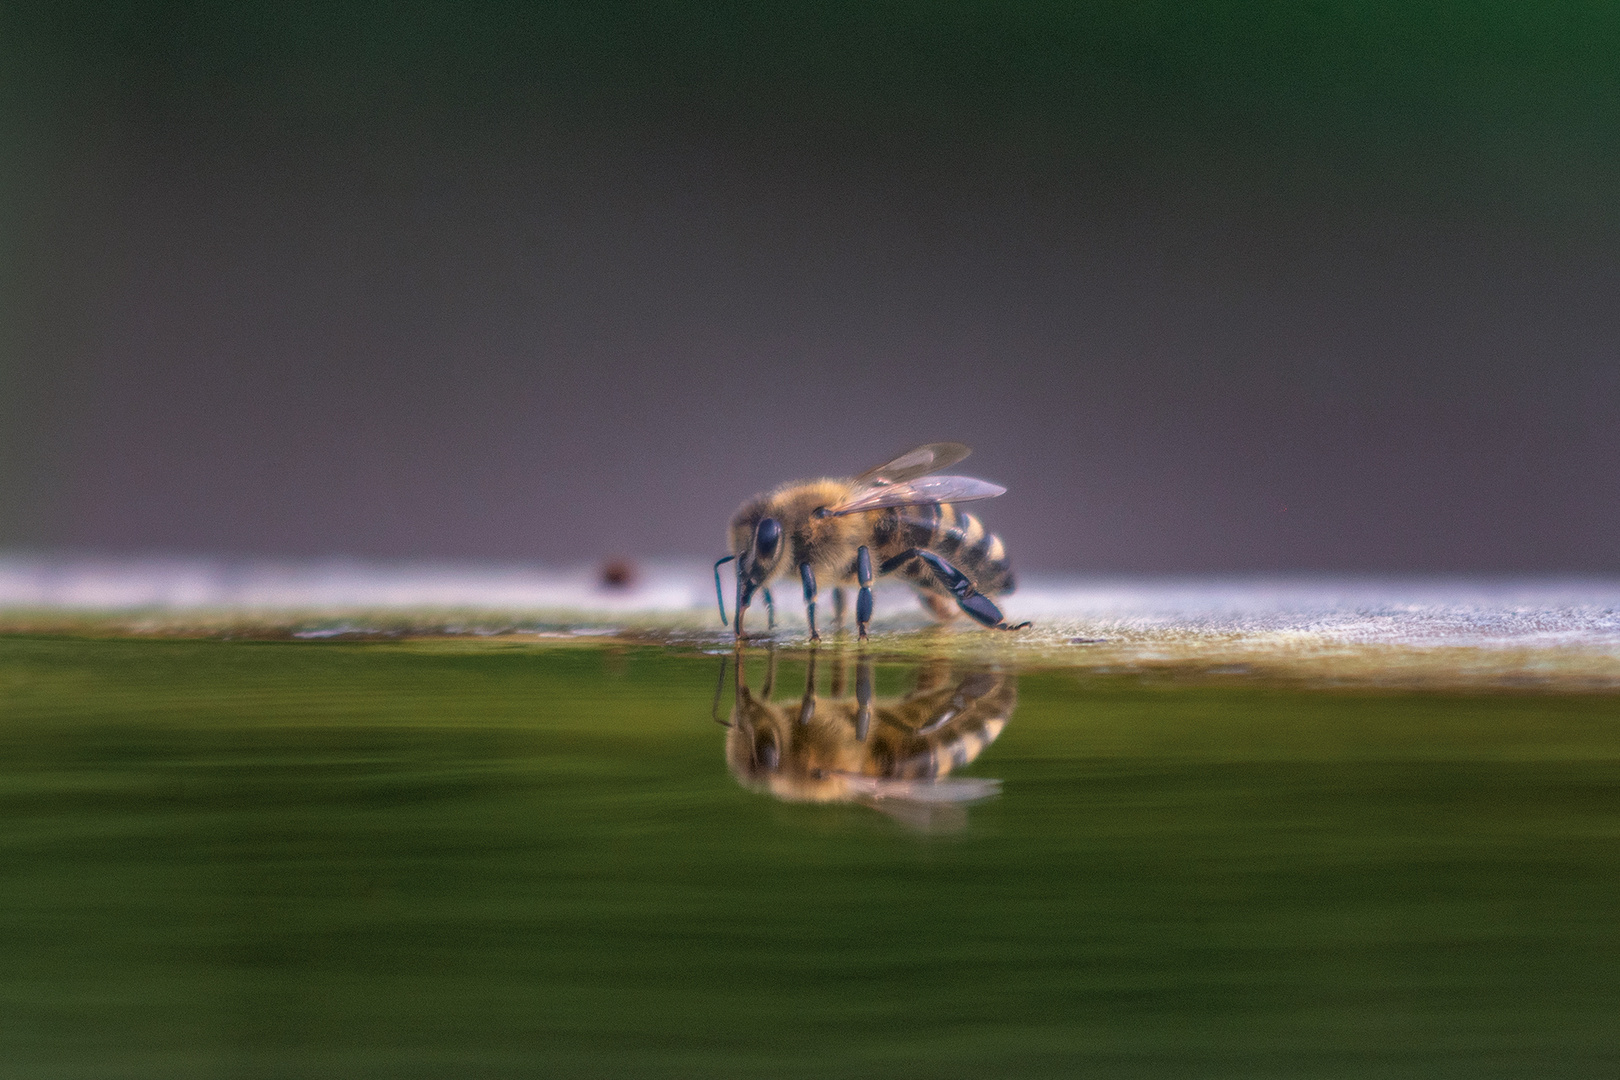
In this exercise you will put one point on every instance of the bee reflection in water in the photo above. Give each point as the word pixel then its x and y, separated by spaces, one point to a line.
pixel 894 754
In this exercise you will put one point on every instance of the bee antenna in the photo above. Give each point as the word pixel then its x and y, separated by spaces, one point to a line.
pixel 718 595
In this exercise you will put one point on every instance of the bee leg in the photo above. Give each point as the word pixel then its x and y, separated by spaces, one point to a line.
pixel 808 574
pixel 807 706
pixel 838 609
pixel 863 602
pixel 769 688
pixel 745 593
pixel 770 610
pixel 863 699
pixel 891 565
pixel 969 599
pixel 714 706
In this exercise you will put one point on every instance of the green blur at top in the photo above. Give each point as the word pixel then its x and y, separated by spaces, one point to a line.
pixel 1376 71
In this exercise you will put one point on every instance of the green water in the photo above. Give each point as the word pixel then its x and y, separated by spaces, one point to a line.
pixel 327 859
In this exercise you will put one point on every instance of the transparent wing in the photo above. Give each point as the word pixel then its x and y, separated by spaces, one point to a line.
pixel 953 789
pixel 931 457
pixel 928 489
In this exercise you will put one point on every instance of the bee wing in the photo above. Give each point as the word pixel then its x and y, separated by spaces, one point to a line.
pixel 928 458
pixel 921 492
pixel 955 789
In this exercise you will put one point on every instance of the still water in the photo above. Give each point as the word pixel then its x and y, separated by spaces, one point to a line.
pixel 441 859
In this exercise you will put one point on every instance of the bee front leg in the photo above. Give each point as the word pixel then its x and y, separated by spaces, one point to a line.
pixel 745 593
pixel 808 574
pixel 863 602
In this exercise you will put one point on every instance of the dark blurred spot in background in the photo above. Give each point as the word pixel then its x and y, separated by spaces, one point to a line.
pixel 618 574
pixel 545 281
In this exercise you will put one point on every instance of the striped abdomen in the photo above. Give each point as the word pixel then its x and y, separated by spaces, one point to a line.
pixel 956 536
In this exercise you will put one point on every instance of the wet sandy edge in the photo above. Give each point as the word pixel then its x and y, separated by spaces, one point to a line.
pixel 1337 655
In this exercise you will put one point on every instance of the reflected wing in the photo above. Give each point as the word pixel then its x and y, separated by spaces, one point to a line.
pixel 929 489
pixel 914 463
pixel 955 789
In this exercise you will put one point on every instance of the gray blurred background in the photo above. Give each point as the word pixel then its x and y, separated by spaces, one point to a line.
pixel 1210 287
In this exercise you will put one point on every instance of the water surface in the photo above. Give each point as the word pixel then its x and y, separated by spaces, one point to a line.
pixel 481 859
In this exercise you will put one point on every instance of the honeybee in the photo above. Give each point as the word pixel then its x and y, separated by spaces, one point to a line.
pixel 891 519
pixel 894 754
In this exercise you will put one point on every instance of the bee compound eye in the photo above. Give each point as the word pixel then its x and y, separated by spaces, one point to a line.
pixel 767 537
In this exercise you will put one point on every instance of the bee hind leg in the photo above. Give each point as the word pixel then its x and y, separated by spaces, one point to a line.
pixel 978 606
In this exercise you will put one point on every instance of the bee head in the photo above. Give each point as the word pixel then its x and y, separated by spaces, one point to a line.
pixel 757 543
pixel 766 543
pixel 758 558
pixel 758 738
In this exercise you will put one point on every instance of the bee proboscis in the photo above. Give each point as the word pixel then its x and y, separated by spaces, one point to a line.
pixel 895 518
